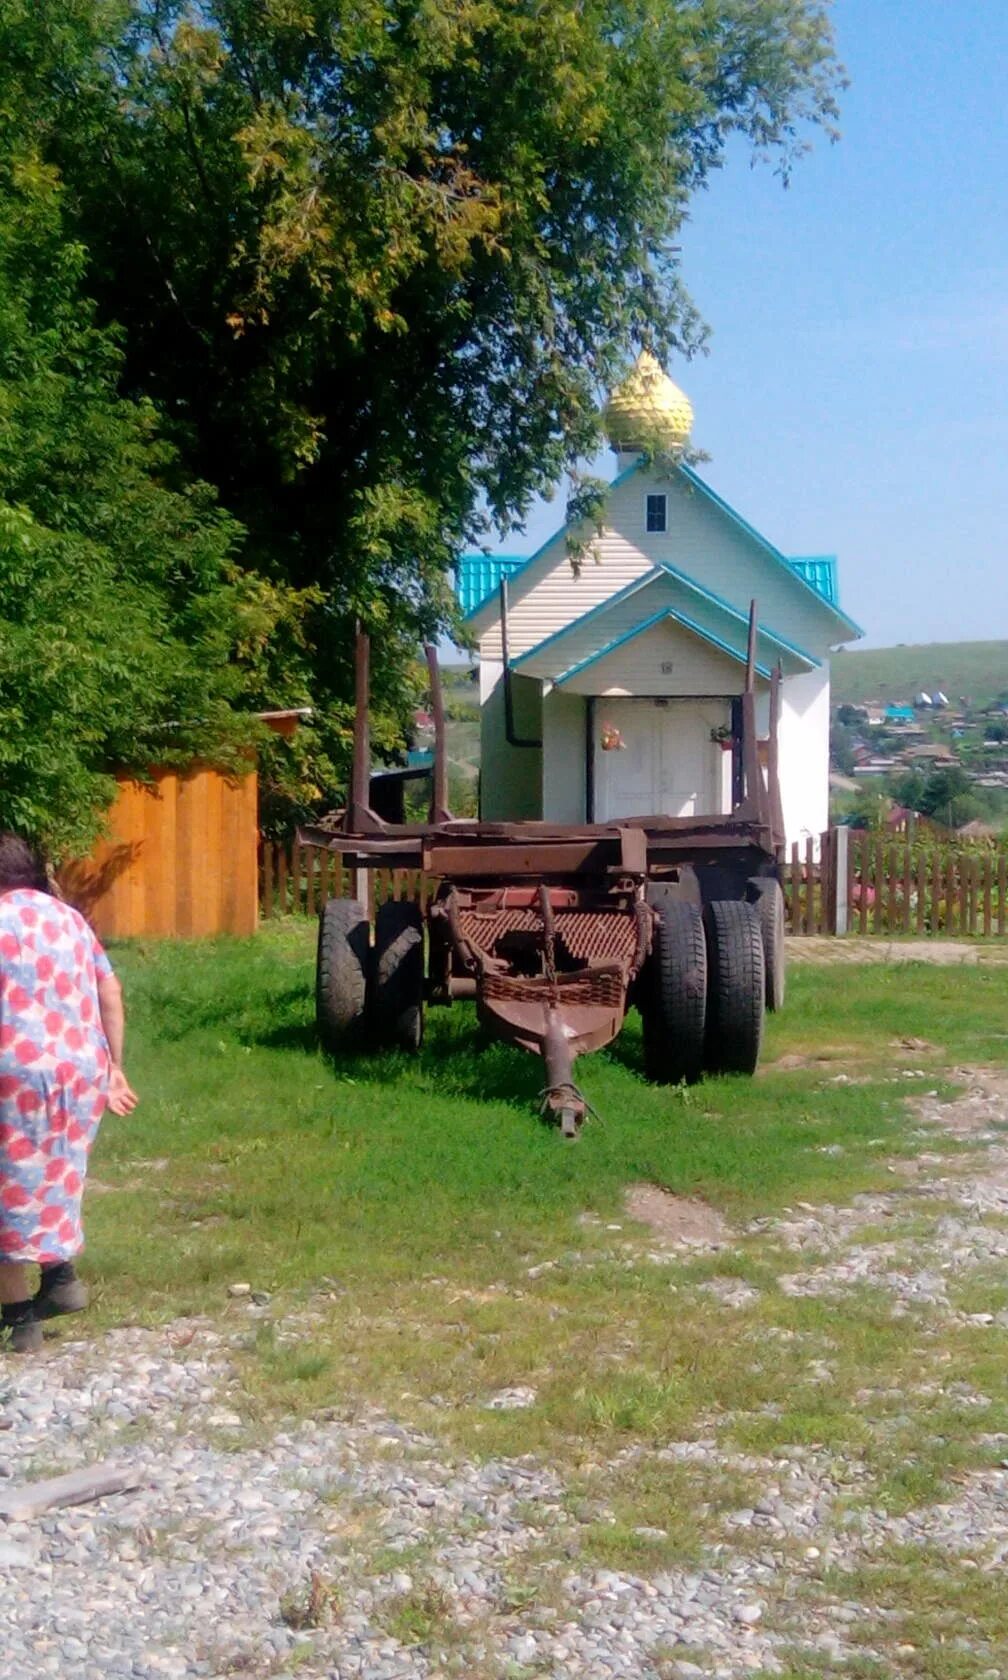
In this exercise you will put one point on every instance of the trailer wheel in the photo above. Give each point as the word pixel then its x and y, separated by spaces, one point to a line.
pixel 341 972
pixel 398 975
pixel 736 987
pixel 768 903
pixel 673 995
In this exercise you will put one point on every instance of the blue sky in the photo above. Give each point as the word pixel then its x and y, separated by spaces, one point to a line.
pixel 853 400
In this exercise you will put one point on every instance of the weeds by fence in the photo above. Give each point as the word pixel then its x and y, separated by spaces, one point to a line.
pixel 901 886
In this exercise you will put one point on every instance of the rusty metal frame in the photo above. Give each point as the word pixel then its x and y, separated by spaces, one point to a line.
pixel 599 870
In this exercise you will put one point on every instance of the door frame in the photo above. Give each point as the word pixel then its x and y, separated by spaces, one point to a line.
pixel 591 713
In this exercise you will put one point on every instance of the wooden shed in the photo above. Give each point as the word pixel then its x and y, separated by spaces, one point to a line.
pixel 179 860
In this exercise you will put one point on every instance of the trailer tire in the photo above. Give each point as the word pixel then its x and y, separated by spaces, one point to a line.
pixel 768 903
pixel 673 995
pixel 736 986
pixel 399 975
pixel 341 973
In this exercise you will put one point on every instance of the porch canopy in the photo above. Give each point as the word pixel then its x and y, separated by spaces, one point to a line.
pixel 662 595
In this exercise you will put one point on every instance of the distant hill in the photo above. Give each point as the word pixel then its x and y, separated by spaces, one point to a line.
pixel 977 669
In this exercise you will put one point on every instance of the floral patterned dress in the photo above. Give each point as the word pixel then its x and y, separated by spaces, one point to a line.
pixel 54 1071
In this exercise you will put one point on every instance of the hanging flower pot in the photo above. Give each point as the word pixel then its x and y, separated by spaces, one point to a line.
pixel 612 739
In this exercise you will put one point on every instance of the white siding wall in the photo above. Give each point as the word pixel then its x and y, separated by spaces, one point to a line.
pixel 510 777
pixel 565 751
pixel 637 667
pixel 522 783
pixel 804 754
pixel 702 541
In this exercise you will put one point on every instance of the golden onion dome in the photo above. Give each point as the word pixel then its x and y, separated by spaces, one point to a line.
pixel 648 411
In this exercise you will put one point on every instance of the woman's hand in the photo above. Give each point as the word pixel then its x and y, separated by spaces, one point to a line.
pixel 122 1099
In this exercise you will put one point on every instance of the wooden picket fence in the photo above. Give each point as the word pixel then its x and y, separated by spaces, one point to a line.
pixel 896 886
pixel 885 885
pixel 297 880
pixel 807 878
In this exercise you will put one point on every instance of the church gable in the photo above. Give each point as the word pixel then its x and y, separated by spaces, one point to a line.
pixel 664 657
pixel 656 516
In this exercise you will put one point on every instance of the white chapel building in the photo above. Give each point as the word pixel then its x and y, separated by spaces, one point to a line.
pixel 623 672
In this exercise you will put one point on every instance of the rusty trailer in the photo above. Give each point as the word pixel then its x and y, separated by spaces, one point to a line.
pixel 555 930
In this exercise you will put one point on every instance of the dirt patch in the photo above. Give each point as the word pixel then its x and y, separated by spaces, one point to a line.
pixel 677 1221
pixel 980 1110
pixel 878 948
pixel 827 1055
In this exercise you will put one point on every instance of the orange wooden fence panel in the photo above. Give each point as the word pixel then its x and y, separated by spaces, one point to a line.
pixel 179 859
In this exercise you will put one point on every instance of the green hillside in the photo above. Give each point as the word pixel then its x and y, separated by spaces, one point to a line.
pixel 978 670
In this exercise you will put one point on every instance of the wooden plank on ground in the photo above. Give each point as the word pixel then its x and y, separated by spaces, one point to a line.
pixel 77 1487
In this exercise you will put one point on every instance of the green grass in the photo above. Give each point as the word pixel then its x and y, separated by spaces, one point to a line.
pixel 254 1156
pixel 394 1208
pixel 976 669
pixel 403 1202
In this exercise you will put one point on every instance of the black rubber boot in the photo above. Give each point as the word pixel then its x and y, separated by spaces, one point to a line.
pixel 60 1291
pixel 23 1328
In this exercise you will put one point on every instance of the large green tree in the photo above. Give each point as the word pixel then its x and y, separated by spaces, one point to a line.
pixel 128 635
pixel 376 260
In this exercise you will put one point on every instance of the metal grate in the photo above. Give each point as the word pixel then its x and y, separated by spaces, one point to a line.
pixel 603 990
pixel 583 936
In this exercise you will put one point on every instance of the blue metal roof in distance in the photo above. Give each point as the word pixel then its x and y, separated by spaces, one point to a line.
pixel 478 576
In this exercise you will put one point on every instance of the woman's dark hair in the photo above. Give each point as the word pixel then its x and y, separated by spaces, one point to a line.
pixel 20 865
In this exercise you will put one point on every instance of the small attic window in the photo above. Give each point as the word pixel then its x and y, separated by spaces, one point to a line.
pixel 656 514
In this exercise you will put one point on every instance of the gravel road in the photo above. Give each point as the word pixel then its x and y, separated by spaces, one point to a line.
pixel 357 1548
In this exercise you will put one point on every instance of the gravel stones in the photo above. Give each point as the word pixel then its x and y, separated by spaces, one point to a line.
pixel 356 1550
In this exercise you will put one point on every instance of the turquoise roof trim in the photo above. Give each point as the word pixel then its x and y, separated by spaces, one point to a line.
pixel 737 654
pixel 530 560
pixel 768 548
pixel 733 612
pixel 645 581
pixel 797 568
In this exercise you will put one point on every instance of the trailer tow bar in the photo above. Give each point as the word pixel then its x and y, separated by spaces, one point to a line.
pixel 561 1099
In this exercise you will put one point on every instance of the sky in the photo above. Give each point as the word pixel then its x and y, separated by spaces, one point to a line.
pixel 853 400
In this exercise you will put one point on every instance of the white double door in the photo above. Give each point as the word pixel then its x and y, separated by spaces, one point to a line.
pixel 670 762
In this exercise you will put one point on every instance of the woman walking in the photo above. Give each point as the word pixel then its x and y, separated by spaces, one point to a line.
pixel 61 1049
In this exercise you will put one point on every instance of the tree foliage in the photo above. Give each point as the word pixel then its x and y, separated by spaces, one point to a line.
pixel 376 260
pixel 127 633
